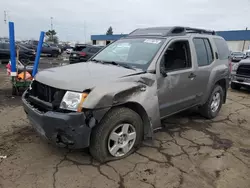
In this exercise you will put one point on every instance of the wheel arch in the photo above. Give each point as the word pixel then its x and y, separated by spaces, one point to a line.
pixel 138 108
pixel 224 85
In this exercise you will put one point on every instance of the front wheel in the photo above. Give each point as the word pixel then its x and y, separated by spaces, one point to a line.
pixel 213 105
pixel 118 135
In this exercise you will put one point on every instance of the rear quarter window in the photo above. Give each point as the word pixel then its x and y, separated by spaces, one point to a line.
pixel 223 51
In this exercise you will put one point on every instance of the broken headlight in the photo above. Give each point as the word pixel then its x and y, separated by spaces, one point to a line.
pixel 73 101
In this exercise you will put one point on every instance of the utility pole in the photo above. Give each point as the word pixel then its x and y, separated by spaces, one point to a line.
pixel 84 25
pixel 5 17
pixel 243 47
pixel 51 27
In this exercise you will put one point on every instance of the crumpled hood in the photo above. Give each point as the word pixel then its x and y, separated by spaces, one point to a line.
pixel 82 76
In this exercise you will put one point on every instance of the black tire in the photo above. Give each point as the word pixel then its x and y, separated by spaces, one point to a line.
pixel 206 110
pixel 55 54
pixel 100 134
pixel 235 86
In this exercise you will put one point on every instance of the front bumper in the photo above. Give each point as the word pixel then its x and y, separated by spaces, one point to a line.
pixel 62 129
pixel 242 80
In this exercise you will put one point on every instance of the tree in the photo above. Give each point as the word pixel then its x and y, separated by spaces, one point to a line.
pixel 109 31
pixel 53 39
pixel 51 36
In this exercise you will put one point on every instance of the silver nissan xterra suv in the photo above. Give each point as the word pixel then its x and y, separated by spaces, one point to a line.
pixel 119 97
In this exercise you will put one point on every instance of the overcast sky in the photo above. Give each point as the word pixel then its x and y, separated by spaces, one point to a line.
pixel 32 16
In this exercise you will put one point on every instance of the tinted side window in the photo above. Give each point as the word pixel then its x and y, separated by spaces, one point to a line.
pixel 201 52
pixel 177 56
pixel 210 54
pixel 223 51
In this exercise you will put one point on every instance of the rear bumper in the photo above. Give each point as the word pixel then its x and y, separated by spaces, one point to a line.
pixel 62 129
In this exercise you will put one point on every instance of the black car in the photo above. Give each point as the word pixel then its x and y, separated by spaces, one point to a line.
pixel 47 49
pixel 84 54
pixel 24 53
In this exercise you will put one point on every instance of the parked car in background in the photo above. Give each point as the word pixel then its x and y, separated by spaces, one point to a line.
pixel 237 56
pixel 80 47
pixel 114 101
pixel 84 55
pixel 248 54
pixel 69 50
pixel 46 48
pixel 24 53
pixel 240 75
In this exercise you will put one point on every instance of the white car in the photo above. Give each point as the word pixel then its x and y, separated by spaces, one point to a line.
pixel 69 50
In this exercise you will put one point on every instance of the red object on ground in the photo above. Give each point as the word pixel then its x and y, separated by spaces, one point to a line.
pixel 8 67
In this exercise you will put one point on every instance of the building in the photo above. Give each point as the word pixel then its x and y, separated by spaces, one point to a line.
pixel 103 40
pixel 237 40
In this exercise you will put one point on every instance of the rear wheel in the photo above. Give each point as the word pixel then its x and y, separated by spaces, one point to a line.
pixel 213 105
pixel 235 86
pixel 117 135
pixel 55 54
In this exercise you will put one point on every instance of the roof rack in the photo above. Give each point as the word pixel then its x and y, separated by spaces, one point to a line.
pixel 168 31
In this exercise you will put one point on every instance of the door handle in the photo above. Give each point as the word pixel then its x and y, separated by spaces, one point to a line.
pixel 192 75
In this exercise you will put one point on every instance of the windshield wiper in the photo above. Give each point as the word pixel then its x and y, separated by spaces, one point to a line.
pixel 97 61
pixel 120 64
pixel 114 63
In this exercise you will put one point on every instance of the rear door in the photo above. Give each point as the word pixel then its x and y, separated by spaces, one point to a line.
pixel 205 59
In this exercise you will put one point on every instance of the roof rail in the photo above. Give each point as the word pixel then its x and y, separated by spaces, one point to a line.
pixel 168 31
pixel 201 31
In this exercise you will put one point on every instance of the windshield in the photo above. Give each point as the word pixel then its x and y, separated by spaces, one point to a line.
pixel 137 53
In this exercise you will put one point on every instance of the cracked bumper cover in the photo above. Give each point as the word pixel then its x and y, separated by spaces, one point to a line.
pixel 63 129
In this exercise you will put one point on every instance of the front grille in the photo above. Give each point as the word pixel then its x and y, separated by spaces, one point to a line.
pixel 42 91
pixel 47 97
pixel 243 70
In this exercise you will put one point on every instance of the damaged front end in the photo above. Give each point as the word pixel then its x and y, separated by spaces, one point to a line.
pixel 62 127
pixel 69 125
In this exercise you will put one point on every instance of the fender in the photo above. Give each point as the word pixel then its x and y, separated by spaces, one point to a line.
pixel 139 89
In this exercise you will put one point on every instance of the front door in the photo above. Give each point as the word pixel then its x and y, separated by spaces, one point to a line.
pixel 177 89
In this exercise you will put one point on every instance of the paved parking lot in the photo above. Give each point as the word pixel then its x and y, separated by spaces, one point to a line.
pixel 189 152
